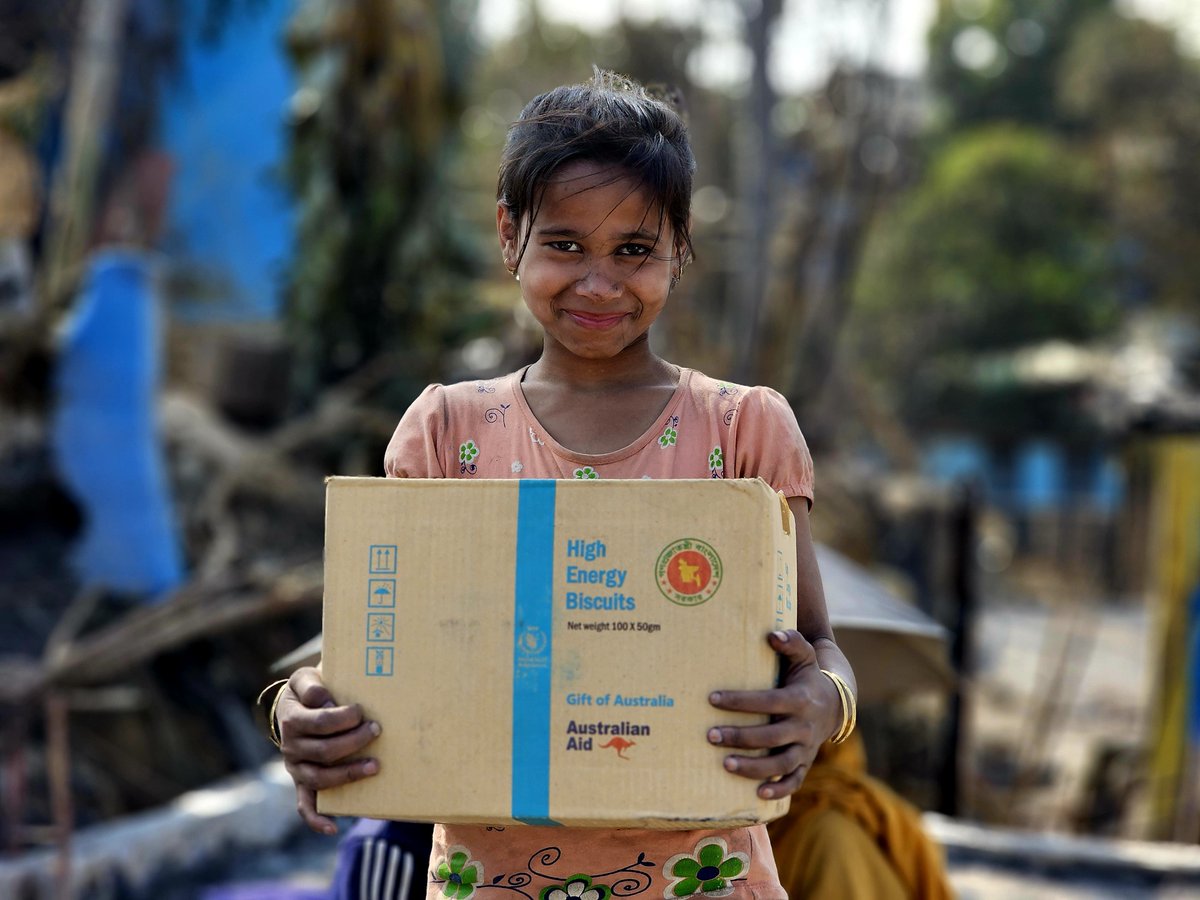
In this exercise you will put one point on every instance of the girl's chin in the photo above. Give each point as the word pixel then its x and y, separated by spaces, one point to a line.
pixel 596 354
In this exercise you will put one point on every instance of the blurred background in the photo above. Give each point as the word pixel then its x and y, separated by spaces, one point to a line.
pixel 962 237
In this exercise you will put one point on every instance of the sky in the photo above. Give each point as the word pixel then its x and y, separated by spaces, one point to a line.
pixel 813 34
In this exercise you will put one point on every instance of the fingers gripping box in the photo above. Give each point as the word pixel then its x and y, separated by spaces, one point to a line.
pixel 543 651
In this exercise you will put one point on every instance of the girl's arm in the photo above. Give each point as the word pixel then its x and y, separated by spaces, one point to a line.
pixel 812 615
pixel 806 708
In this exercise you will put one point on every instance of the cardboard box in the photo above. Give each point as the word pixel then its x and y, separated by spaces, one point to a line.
pixel 542 651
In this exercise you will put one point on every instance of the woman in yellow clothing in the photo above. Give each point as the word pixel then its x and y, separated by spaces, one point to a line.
pixel 849 836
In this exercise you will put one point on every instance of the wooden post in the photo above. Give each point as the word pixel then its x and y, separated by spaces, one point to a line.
pixel 58 772
pixel 963 591
pixel 759 162
pixel 15 780
pixel 90 95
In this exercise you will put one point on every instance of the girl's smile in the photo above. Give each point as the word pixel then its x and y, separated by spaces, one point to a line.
pixel 595 264
pixel 590 320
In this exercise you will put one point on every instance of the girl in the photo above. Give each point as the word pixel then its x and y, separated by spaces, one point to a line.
pixel 593 217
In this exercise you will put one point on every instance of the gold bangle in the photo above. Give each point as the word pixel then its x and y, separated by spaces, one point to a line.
pixel 849 730
pixel 272 723
pixel 849 707
pixel 847 724
pixel 841 692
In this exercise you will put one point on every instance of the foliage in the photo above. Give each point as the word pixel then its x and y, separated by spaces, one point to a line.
pixel 1002 245
pixel 383 263
pixel 1060 191
pixel 998 59
pixel 1136 99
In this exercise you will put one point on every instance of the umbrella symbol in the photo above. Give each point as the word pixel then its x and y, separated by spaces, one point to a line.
pixel 381 592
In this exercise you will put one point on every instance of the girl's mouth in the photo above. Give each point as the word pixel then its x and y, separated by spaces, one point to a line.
pixel 595 321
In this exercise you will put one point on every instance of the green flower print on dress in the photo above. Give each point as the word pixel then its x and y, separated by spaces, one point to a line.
pixel 577 887
pixel 586 472
pixel 667 438
pixel 716 462
pixel 709 871
pixel 466 456
pixel 460 874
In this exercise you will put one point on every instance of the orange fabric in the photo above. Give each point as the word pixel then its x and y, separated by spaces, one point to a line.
pixel 709 429
pixel 848 835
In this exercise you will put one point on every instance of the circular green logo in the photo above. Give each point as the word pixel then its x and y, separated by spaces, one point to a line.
pixel 688 572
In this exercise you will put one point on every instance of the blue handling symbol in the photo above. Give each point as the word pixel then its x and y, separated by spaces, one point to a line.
pixel 379 661
pixel 381 592
pixel 380 627
pixel 383 559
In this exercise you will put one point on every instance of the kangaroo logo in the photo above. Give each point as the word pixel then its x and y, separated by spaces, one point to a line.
pixel 620 745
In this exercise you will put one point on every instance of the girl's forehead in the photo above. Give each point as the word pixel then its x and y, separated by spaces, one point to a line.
pixel 592 189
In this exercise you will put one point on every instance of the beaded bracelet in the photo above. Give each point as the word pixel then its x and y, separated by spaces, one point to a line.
pixel 849 707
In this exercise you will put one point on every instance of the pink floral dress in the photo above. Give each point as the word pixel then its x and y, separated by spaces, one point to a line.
pixel 709 428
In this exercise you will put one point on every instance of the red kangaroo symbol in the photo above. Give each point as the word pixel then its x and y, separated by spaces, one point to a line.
pixel 620 745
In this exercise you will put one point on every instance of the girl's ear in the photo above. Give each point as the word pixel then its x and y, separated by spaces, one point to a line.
pixel 506 230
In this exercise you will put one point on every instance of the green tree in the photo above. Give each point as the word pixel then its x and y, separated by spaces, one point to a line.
pixel 1002 245
pixel 1135 99
pixel 998 59
pixel 383 262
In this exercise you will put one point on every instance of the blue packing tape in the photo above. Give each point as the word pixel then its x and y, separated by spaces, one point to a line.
pixel 533 631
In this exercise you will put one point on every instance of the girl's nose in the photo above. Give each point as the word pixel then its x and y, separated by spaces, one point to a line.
pixel 597 285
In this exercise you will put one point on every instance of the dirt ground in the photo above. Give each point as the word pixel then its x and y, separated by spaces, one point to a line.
pixel 976 881
pixel 1059 683
pixel 1057 687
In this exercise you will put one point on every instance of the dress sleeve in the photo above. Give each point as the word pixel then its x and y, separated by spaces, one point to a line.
pixel 413 449
pixel 767 444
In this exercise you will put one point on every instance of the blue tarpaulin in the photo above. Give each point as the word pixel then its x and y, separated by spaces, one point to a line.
pixel 104 431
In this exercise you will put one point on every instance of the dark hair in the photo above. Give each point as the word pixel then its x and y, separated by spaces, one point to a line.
pixel 610 119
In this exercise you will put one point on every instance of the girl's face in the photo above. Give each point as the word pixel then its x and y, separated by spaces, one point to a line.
pixel 596 270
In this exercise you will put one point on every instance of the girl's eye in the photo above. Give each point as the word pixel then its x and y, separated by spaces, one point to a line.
pixel 565 246
pixel 633 250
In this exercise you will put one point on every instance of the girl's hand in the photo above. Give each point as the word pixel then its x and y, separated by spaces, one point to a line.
pixel 320 740
pixel 805 711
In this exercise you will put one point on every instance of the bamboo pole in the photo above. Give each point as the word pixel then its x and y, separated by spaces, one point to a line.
pixel 91 93
pixel 58 770
pixel 13 785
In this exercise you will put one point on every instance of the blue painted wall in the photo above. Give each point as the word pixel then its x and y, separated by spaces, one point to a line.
pixel 1039 476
